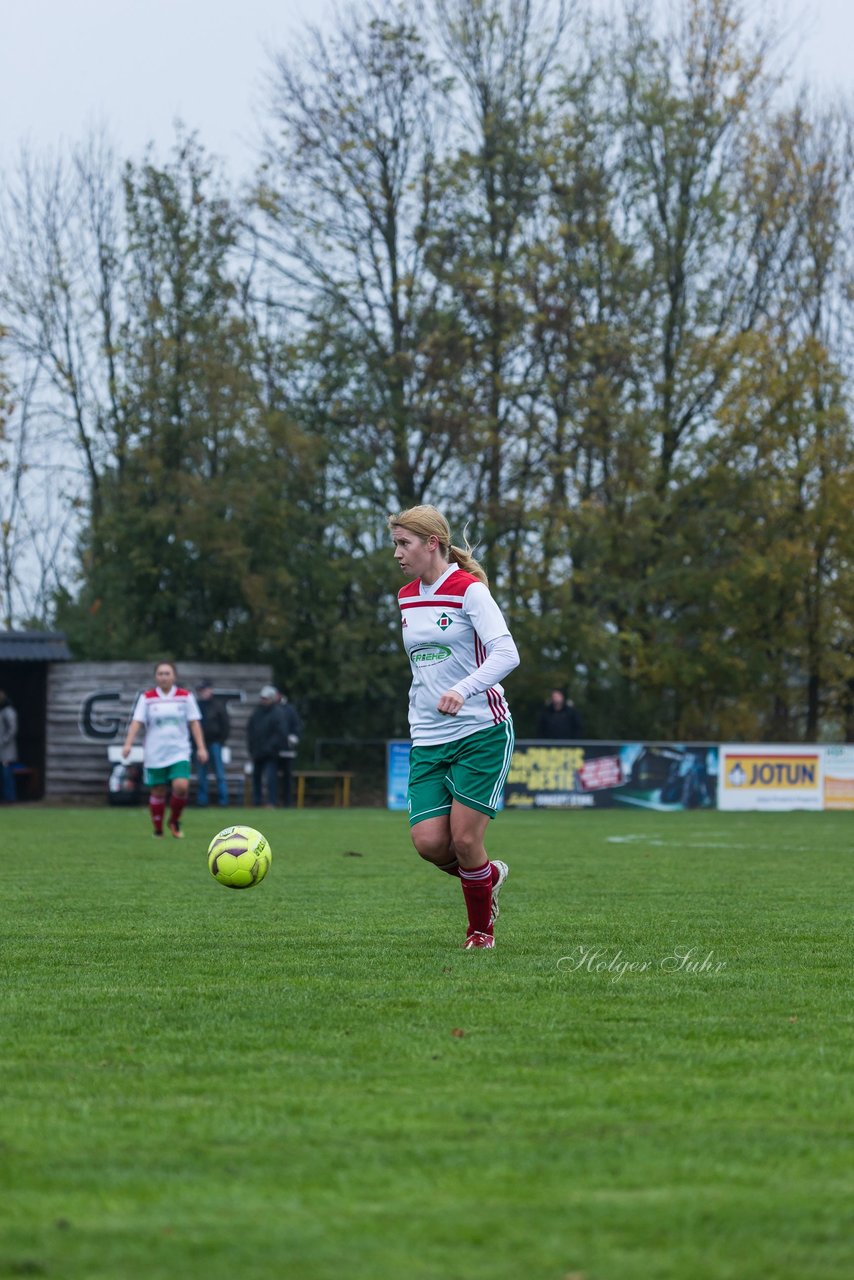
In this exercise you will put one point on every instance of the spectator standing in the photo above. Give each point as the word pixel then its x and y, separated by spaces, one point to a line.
pixel 8 747
pixel 266 736
pixel 292 725
pixel 559 718
pixel 216 728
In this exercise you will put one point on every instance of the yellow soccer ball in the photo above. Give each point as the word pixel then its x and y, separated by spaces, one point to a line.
pixel 239 857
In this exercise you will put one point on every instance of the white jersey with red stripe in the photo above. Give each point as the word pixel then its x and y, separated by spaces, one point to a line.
pixel 166 717
pixel 446 627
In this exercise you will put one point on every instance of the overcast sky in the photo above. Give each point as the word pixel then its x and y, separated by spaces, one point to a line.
pixel 137 65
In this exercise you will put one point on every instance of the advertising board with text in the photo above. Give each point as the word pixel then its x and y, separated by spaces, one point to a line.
pixel 596 775
pixel 759 776
pixel 839 777
pixel 663 776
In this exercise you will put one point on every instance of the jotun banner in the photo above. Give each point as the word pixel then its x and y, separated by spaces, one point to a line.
pixel 771 777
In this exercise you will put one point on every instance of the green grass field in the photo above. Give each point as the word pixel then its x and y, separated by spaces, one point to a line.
pixel 310 1079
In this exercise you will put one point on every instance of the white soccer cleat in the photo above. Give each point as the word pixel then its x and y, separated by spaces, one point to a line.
pixel 503 872
pixel 478 940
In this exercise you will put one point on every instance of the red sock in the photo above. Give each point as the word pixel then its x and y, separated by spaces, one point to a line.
pixel 177 805
pixel 477 890
pixel 453 869
pixel 157 807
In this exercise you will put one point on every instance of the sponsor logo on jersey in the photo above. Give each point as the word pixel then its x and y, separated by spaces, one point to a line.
pixel 790 771
pixel 443 622
pixel 425 654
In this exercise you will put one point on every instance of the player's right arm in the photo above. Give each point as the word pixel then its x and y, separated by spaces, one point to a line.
pixel 133 729
pixel 137 723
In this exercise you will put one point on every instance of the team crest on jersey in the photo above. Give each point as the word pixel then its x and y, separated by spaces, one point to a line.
pixel 443 622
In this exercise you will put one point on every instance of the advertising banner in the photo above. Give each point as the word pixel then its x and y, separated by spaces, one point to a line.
pixel 770 777
pixel 663 776
pixel 397 773
pixel 839 777
pixel 595 775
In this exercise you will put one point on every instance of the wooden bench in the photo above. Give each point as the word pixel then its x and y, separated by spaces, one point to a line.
pixel 341 780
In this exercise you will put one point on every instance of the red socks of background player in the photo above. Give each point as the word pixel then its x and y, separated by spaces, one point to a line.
pixel 177 805
pixel 477 891
pixel 157 807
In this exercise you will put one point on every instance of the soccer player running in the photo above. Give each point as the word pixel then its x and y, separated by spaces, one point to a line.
pixel 459 647
pixel 169 715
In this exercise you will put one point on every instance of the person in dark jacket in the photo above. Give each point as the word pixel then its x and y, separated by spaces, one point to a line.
pixel 216 727
pixel 266 736
pixel 559 718
pixel 293 728
pixel 8 748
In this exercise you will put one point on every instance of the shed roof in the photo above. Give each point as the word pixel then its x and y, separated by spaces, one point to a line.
pixel 33 646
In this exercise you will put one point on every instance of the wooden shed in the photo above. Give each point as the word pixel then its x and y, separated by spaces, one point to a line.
pixel 89 706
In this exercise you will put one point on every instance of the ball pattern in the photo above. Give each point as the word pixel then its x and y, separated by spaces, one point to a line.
pixel 239 857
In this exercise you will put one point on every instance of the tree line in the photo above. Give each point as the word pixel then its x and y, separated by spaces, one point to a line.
pixel 586 289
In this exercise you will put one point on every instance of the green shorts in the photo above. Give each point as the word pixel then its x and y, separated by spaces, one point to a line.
pixel 471 770
pixel 159 777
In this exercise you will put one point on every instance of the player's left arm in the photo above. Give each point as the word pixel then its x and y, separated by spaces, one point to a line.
pixel 502 656
pixel 199 739
pixel 194 720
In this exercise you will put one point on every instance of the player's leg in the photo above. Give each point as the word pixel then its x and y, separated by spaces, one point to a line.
pixel 476 780
pixel 467 831
pixel 179 776
pixel 156 800
pixel 432 839
pixel 468 828
pixel 429 808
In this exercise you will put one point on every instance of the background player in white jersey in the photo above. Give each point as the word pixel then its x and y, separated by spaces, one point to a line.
pixel 459 648
pixel 169 715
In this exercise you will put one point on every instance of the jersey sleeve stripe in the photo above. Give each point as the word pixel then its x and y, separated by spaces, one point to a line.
pixel 496 704
pixel 430 604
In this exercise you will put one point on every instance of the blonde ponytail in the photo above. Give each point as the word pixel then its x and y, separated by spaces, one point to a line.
pixel 464 558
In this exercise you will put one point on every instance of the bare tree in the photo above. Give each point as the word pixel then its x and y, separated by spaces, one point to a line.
pixel 349 201
pixel 59 296
pixel 507 55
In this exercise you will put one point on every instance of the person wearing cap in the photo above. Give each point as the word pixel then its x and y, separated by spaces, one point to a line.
pixel 266 736
pixel 216 729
